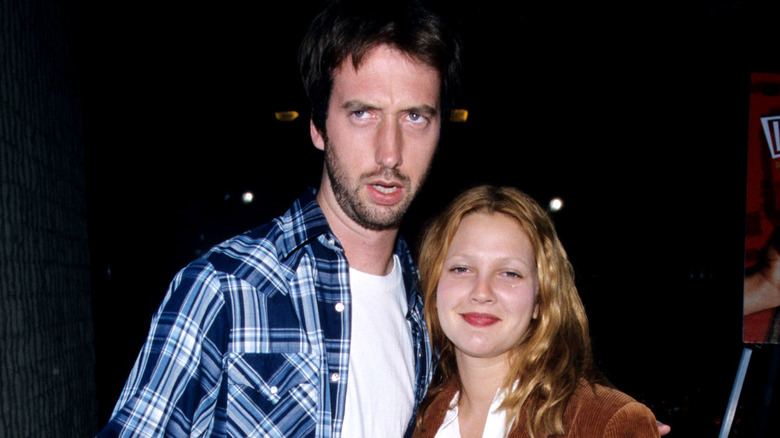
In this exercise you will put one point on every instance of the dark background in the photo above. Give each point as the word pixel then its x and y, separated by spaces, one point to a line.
pixel 634 113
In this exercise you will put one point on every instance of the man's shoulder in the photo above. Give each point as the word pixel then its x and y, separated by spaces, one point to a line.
pixel 272 246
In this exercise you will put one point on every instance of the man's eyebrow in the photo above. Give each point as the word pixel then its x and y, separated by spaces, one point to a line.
pixel 355 105
pixel 423 109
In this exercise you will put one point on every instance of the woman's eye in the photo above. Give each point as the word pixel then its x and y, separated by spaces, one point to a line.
pixel 458 269
pixel 513 274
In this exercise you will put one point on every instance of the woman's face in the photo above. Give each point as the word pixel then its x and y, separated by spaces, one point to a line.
pixel 487 290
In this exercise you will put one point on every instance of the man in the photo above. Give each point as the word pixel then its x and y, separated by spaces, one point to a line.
pixel 311 325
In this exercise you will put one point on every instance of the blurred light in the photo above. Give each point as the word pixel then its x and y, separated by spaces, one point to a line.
pixel 247 197
pixel 286 116
pixel 556 204
pixel 459 115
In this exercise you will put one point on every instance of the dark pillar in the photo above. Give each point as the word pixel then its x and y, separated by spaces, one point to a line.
pixel 47 385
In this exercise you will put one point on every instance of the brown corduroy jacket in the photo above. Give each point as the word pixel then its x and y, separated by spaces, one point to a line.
pixel 606 413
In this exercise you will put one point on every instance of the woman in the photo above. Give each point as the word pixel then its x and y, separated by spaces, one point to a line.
pixel 504 313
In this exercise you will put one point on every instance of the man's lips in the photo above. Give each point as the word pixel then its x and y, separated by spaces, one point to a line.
pixel 480 319
pixel 386 187
pixel 384 192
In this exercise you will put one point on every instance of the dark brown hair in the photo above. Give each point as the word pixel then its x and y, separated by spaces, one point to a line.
pixel 350 29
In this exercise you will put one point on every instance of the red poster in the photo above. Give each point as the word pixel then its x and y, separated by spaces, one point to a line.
pixel 762 231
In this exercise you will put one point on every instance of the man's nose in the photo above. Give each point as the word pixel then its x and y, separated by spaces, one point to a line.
pixel 389 145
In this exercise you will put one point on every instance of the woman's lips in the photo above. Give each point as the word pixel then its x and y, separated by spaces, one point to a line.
pixel 480 319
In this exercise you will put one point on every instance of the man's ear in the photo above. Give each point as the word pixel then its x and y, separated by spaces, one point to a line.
pixel 316 136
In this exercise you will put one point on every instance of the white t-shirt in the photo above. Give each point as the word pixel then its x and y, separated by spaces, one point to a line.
pixel 494 425
pixel 380 386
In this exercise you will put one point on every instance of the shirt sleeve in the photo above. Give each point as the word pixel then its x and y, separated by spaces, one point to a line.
pixel 633 420
pixel 172 389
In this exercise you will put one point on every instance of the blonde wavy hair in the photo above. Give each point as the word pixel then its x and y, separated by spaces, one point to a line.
pixel 555 352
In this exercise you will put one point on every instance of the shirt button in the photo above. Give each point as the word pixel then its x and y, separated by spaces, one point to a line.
pixel 274 390
pixel 335 377
pixel 339 307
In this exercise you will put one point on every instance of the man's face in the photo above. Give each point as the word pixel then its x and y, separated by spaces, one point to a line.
pixel 382 130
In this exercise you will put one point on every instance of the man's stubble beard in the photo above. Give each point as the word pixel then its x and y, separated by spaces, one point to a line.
pixel 377 218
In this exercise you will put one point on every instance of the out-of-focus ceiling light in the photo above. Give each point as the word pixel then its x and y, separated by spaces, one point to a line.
pixel 247 197
pixel 286 116
pixel 556 204
pixel 459 115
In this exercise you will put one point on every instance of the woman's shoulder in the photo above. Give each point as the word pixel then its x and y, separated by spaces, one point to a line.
pixel 597 410
pixel 435 411
pixel 604 397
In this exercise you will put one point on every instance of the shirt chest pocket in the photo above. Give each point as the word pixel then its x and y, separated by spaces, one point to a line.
pixel 267 390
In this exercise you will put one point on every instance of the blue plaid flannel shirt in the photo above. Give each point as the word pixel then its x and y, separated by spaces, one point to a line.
pixel 249 340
